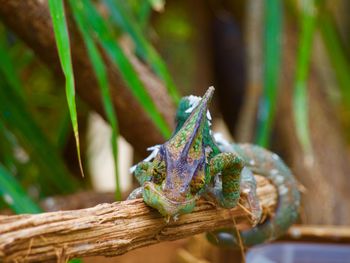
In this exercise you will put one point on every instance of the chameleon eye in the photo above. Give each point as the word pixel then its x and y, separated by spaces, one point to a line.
pixel 159 171
pixel 197 182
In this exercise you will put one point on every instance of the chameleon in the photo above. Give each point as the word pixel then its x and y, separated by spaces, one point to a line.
pixel 196 163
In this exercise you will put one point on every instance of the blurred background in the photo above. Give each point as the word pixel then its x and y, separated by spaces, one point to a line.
pixel 280 69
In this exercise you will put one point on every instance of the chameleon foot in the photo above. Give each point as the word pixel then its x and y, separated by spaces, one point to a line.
pixel 136 193
pixel 248 188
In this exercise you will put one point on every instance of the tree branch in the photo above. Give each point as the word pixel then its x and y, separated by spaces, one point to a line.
pixel 30 20
pixel 318 234
pixel 114 229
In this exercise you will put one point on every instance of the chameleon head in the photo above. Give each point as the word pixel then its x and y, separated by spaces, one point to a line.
pixel 177 182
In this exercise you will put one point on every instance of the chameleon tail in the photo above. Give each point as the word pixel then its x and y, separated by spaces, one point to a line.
pixel 263 162
pixel 271 166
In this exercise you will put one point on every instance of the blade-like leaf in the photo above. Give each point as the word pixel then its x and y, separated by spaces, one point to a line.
pixel 122 17
pixel 272 60
pixel 143 14
pixel 8 68
pixel 300 105
pixel 101 74
pixel 14 113
pixel 127 71
pixel 6 158
pixel 337 56
pixel 14 195
pixel 63 47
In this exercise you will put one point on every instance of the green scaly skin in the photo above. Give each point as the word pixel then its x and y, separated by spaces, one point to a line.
pixel 192 164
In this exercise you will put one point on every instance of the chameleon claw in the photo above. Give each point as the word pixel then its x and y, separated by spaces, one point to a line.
pixel 173 218
pixel 167 219
pixel 248 189
pixel 136 193
pixel 176 217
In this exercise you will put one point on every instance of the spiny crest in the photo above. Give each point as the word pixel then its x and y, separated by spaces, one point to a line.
pixel 188 140
pixel 184 152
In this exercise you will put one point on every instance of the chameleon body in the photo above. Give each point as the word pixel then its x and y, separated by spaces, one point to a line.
pixel 192 164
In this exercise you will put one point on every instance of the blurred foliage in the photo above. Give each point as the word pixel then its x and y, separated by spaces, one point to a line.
pixel 177 41
pixel 35 128
pixel 102 78
pixel 123 18
pixel 308 26
pixel 272 64
pixel 33 143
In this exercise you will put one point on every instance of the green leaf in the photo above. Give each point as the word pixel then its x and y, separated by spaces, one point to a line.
pixel 300 105
pixel 144 13
pixel 127 71
pixel 62 41
pixel 102 78
pixel 8 68
pixel 337 56
pixel 6 147
pixel 14 195
pixel 15 115
pixel 122 17
pixel 272 60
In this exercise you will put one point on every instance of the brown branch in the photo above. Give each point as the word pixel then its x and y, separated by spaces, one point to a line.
pixel 31 21
pixel 318 233
pixel 114 229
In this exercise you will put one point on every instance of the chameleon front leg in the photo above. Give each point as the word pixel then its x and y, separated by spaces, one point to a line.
pixel 229 165
pixel 143 173
pixel 148 171
pixel 136 193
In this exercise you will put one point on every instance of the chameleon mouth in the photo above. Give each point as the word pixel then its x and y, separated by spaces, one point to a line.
pixel 155 197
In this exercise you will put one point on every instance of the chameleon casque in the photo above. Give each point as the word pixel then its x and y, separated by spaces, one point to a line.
pixel 193 164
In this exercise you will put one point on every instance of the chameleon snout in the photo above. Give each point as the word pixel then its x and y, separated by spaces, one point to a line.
pixel 154 196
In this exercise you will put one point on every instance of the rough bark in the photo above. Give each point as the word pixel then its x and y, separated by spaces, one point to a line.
pixel 114 229
pixel 30 20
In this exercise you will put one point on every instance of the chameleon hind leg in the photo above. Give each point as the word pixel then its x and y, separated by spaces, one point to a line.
pixel 229 236
pixel 229 165
pixel 248 189
pixel 240 180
